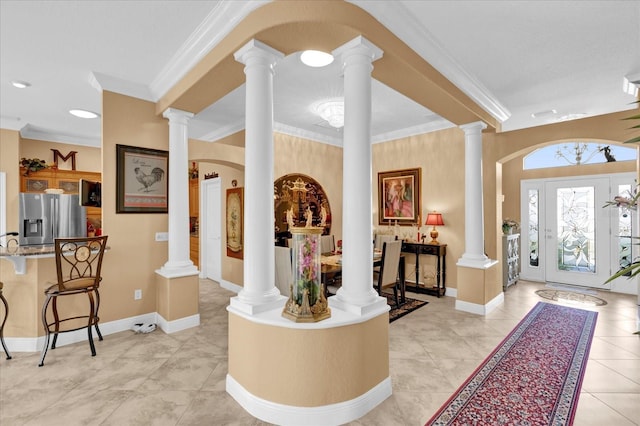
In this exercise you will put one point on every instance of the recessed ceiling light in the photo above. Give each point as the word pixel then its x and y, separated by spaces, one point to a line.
pixel 20 84
pixel 316 58
pixel 83 113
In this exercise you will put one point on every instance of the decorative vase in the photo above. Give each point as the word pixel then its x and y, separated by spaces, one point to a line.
pixel 307 301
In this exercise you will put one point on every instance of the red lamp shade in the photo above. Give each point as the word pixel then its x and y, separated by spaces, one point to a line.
pixel 434 219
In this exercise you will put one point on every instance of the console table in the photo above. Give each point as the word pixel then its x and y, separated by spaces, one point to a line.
pixel 439 250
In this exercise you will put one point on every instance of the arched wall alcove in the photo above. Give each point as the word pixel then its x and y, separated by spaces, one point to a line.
pixel 297 191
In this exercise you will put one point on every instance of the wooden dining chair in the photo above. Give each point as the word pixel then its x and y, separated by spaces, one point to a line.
pixel 78 268
pixel 388 276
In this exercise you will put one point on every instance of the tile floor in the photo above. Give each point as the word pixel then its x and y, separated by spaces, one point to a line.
pixel 179 379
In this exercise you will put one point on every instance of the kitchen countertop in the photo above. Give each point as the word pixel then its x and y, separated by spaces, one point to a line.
pixel 18 255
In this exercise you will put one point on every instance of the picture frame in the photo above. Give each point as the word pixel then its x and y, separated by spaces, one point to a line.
pixel 235 222
pixel 142 180
pixel 399 197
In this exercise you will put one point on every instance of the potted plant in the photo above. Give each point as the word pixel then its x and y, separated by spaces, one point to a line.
pixel 509 225
pixel 32 165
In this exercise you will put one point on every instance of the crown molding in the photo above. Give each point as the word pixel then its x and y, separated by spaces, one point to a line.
pixel 221 132
pixel 432 126
pixel 216 26
pixel 408 28
pixel 102 82
pixel 32 132
pixel 307 134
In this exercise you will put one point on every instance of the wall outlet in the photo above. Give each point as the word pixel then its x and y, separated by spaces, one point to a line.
pixel 137 294
pixel 162 236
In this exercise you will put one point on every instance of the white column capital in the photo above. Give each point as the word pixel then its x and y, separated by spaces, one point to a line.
pixel 358 46
pixel 473 128
pixel 177 116
pixel 257 49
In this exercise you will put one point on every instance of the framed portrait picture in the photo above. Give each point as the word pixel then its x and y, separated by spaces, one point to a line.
pixel 235 222
pixel 399 197
pixel 142 180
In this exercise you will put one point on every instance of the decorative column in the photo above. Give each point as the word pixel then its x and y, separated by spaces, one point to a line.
pixel 357 294
pixel 479 287
pixel 473 210
pixel 179 263
pixel 259 292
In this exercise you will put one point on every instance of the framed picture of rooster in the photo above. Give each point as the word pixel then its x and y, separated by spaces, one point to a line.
pixel 142 180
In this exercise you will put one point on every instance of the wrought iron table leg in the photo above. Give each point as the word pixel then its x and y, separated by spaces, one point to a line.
pixel 4 320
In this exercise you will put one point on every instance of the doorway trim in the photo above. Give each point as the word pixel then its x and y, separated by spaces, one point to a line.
pixel 207 226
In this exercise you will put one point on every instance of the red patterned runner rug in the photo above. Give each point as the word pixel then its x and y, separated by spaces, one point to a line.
pixel 532 378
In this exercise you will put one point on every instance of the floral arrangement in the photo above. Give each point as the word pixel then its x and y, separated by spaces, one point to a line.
pixel 32 165
pixel 508 225
pixel 307 271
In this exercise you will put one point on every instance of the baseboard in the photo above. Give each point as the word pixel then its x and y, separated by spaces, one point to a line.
pixel 35 344
pixel 475 308
pixel 230 286
pixel 334 414
pixel 179 324
pixel 451 292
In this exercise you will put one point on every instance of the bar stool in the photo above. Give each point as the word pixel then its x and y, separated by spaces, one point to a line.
pixel 4 320
pixel 78 266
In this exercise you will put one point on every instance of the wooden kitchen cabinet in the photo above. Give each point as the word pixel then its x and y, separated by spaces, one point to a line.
pixel 67 180
pixel 194 197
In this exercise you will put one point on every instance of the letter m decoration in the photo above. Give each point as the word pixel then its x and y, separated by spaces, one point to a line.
pixel 57 154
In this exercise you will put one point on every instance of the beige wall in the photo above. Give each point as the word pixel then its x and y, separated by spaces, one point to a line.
pixel 9 158
pixel 88 159
pixel 318 160
pixel 134 255
pixel 502 154
pixel 440 155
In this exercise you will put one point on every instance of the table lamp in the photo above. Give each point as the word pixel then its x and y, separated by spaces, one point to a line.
pixel 434 219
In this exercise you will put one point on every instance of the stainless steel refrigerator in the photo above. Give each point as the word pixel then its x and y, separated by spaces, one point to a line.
pixel 44 217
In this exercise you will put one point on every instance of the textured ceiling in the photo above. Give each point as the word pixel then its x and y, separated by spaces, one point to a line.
pixel 513 57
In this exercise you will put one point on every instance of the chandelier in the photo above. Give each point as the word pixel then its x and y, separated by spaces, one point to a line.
pixel 578 153
pixel 332 111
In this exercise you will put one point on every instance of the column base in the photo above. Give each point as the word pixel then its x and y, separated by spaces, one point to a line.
pixel 178 297
pixel 376 306
pixel 479 287
pixel 178 269
pixel 254 307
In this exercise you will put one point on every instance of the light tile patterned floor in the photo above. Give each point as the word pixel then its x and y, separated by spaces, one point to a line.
pixel 179 379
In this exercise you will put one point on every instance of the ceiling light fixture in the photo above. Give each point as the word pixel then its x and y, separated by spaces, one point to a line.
pixel 20 84
pixel 83 113
pixel 316 58
pixel 544 114
pixel 574 116
pixel 630 84
pixel 332 111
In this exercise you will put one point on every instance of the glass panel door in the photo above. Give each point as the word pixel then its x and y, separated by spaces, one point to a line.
pixel 577 232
